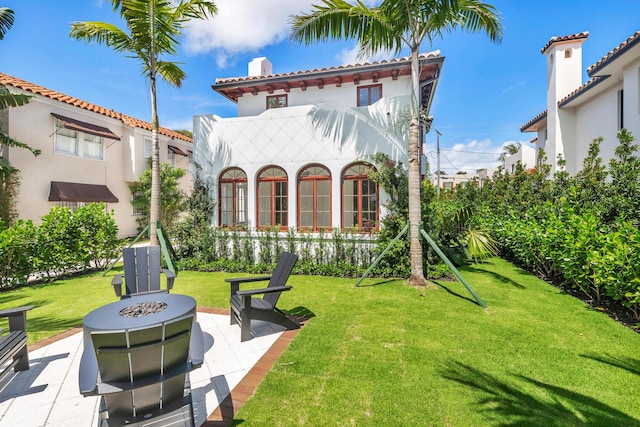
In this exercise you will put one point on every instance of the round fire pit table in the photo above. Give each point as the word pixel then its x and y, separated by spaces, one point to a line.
pixel 138 312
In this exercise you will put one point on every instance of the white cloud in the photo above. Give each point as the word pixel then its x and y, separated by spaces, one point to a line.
pixel 246 25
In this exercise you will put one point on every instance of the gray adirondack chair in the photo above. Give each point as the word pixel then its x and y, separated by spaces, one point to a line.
pixel 141 272
pixel 143 374
pixel 247 306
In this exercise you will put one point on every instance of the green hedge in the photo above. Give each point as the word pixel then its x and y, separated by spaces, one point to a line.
pixel 64 243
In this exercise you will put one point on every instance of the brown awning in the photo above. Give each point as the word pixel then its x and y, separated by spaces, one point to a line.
pixel 74 192
pixel 86 127
pixel 177 150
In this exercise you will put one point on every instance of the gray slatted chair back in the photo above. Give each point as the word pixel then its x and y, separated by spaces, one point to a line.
pixel 141 269
pixel 140 362
pixel 280 276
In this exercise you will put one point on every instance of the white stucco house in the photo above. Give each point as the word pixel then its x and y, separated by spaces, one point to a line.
pixel 89 153
pixel 298 154
pixel 526 156
pixel 578 113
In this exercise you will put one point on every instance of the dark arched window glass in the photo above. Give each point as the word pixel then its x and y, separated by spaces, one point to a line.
pixel 359 198
pixel 314 198
pixel 272 197
pixel 232 195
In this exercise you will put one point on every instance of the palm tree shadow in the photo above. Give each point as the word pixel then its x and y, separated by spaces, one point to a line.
pixel 507 404
pixel 628 364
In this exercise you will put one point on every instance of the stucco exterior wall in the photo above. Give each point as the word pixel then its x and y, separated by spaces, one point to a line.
pixel 526 155
pixel 122 164
pixel 295 137
pixel 631 85
pixel 599 117
pixel 329 97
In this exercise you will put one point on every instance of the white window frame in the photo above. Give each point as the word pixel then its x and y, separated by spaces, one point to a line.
pixel 148 147
pixel 76 143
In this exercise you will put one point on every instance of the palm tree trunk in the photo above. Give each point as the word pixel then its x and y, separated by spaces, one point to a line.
pixel 417 273
pixel 154 210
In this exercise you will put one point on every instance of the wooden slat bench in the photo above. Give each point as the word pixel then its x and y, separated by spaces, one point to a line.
pixel 13 346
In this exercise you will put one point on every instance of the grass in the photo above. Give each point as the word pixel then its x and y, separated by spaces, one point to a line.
pixel 383 354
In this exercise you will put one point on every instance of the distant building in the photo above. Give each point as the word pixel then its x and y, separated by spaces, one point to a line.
pixel 89 154
pixel 526 155
pixel 578 113
pixel 298 154
pixel 449 182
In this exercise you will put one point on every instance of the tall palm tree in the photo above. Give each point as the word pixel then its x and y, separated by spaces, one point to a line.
pixel 9 99
pixel 154 27
pixel 393 26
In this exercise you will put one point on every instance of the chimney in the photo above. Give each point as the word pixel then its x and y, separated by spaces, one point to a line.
pixel 260 67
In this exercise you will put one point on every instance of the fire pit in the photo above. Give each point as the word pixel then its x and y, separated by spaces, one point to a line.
pixel 143 309
pixel 138 312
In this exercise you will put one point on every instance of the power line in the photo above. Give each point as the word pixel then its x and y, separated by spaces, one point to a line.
pixel 473 152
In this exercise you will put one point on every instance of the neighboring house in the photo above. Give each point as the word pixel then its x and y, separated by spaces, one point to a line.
pixel 89 154
pixel 449 182
pixel 298 155
pixel 485 175
pixel 526 155
pixel 578 113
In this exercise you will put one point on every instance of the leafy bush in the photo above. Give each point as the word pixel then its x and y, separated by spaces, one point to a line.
pixel 18 247
pixel 65 242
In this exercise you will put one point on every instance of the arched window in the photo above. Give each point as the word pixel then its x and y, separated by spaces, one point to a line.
pixel 314 198
pixel 272 197
pixel 359 198
pixel 233 198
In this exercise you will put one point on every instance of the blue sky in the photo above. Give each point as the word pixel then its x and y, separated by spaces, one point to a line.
pixel 486 91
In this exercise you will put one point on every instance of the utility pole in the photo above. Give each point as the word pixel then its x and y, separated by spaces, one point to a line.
pixel 438 160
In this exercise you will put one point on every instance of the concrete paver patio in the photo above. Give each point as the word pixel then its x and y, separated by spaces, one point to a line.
pixel 47 394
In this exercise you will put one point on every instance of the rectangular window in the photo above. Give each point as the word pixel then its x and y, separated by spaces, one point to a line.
pixel 75 143
pixel 368 95
pixel 148 148
pixel 139 204
pixel 264 191
pixel 306 204
pixel 172 157
pixel 72 206
pixel 620 109
pixel 276 101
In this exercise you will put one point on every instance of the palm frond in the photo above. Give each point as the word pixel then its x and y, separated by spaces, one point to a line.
pixel 171 73
pixel 6 20
pixel 102 33
pixel 8 99
pixel 480 245
pixel 10 142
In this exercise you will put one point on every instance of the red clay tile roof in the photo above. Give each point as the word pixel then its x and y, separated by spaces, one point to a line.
pixel 585 87
pixel 556 39
pixel 533 121
pixel 433 54
pixel 234 87
pixel 6 79
pixel 613 54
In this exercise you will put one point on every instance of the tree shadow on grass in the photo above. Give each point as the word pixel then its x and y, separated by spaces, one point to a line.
pixel 508 405
pixel 628 364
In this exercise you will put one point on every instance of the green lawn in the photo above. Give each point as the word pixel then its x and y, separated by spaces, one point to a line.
pixel 383 355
